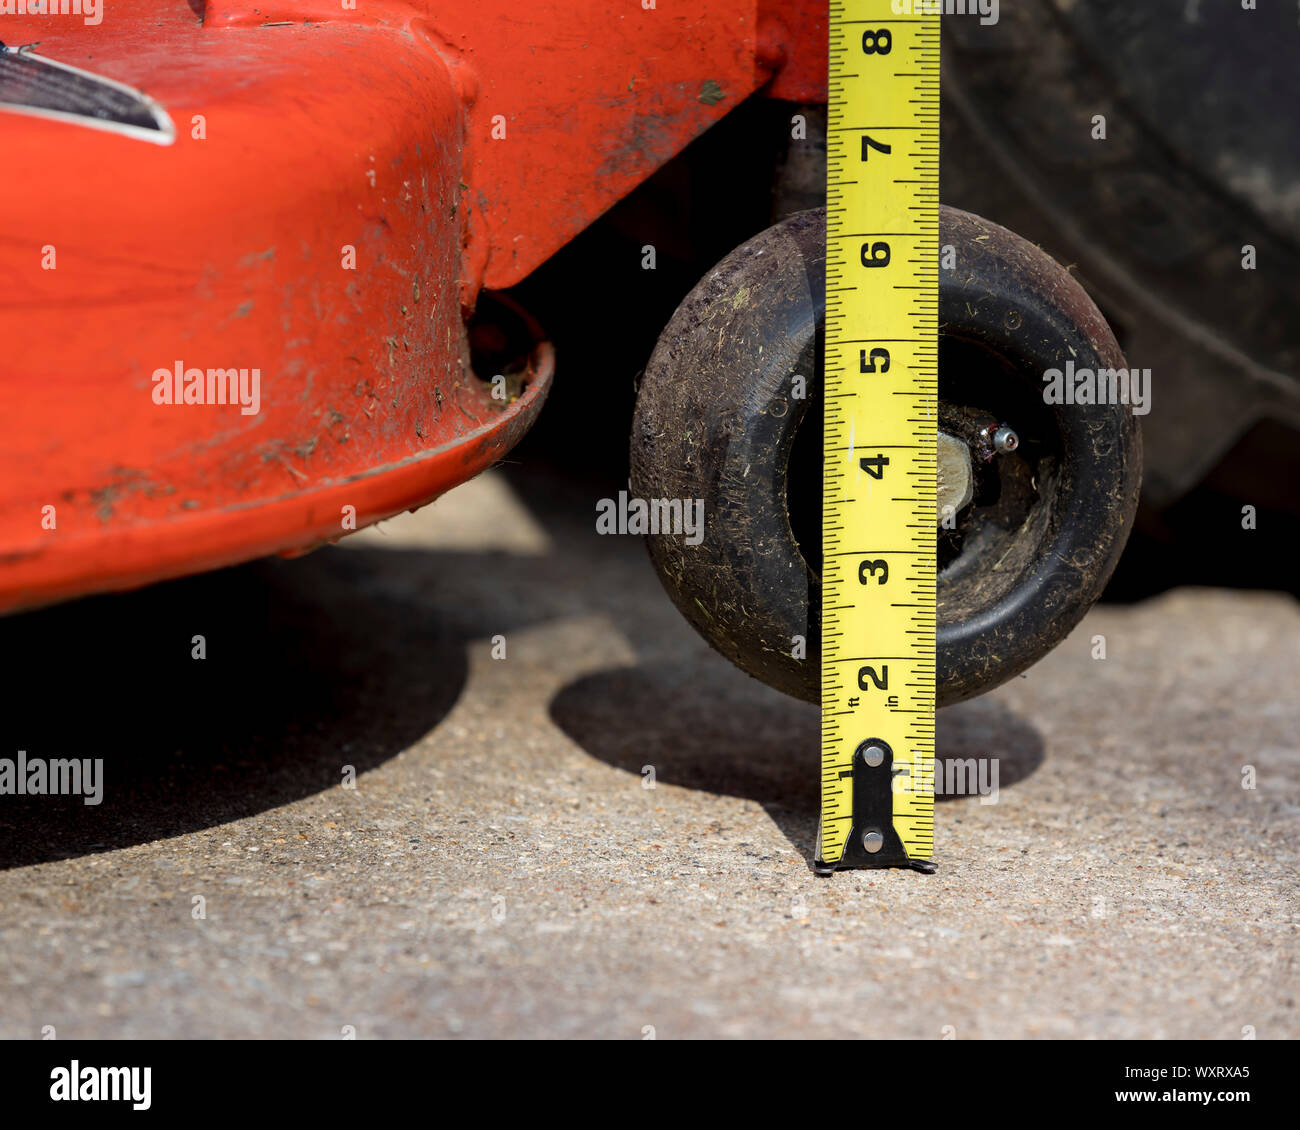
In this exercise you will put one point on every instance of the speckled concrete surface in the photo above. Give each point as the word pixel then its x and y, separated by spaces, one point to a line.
pixel 501 868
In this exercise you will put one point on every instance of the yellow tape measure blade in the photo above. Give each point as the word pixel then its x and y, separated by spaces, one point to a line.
pixel 880 475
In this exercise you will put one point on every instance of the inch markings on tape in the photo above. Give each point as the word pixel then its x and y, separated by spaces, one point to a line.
pixel 879 478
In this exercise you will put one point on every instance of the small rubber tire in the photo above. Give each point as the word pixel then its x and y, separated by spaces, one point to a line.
pixel 717 413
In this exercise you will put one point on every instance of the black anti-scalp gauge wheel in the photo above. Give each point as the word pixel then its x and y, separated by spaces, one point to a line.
pixel 1039 497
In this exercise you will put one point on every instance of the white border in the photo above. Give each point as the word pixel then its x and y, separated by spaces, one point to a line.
pixel 165 134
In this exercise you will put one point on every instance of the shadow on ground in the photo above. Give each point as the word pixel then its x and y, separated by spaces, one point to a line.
pixel 702 725
pixel 342 657
pixel 306 671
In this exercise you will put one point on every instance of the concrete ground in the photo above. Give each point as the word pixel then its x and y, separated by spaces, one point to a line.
pixel 501 868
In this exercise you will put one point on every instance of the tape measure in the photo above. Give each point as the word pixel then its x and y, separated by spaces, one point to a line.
pixel 879 479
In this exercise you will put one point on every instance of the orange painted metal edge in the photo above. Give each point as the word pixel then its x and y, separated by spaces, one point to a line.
pixel 301 520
